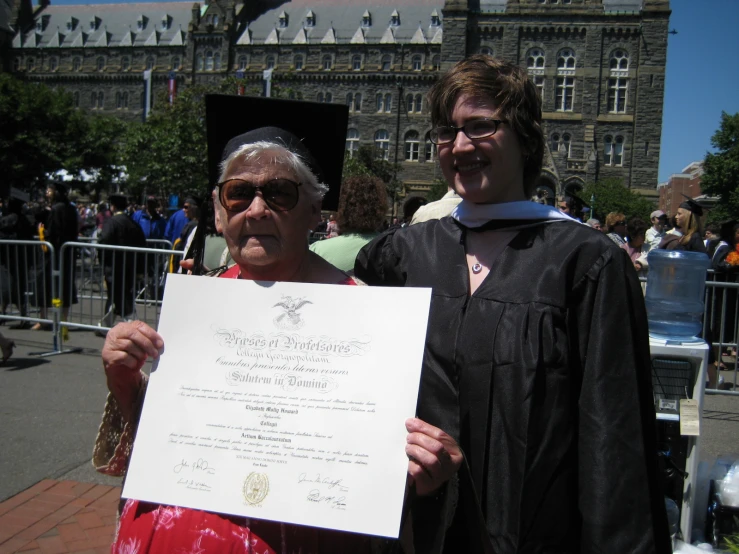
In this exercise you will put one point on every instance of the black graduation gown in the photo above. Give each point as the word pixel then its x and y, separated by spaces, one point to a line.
pixel 543 377
pixel 121 267
pixel 61 227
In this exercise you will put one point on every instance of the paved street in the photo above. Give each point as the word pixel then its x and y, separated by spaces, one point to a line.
pixel 50 410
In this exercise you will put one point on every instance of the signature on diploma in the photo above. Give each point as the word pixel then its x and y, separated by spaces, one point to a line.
pixel 194 485
pixel 193 466
pixel 318 479
pixel 335 502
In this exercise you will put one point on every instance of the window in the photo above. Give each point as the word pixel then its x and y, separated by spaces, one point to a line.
pixel 412 146
pixel 388 103
pixel 613 150
pixel 539 84
pixel 298 62
pixel 97 100
pixel 283 20
pixel 76 99
pixel 76 64
pixel 217 61
pixel 352 142
pixel 319 97
pixel 271 61
pixel 535 61
pixel 125 63
pixel 384 102
pixel 93 100
pixel 356 62
pixel 618 83
pixel 329 98
pixel 435 20
pixel 555 143
pixel 30 64
pixel 243 63
pixel 354 101
pixel 53 63
pixel 176 63
pixel 165 23
pixel 565 94
pixel 565 146
pixel 561 144
pixel 409 103
pixel 209 60
pixel 414 103
pixel 419 102
pixel 150 62
pixel 121 100
pixel 436 63
pixel 310 19
pixel 416 62
pixel 215 20
pixel 17 64
pixel 101 100
pixel 566 60
pixel 326 97
pixel 366 19
pixel 617 91
pixel 379 102
pixel 199 61
pixel 387 62
pixel 100 63
pixel 430 151
pixel 382 144
pixel 327 62
pixel 395 18
pixel 486 50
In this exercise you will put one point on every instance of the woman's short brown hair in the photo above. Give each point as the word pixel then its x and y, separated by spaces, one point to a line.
pixel 362 205
pixel 510 89
pixel 613 218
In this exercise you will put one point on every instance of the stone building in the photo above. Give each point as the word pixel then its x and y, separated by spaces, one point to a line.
pixel 599 66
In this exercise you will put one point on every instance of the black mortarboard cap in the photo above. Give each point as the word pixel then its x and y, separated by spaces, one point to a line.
pixel 691 205
pixel 315 131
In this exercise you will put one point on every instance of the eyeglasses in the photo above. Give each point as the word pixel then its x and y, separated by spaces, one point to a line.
pixel 236 195
pixel 474 130
pixel 620 223
pixel 186 207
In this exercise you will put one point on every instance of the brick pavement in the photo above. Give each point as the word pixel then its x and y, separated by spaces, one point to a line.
pixel 59 516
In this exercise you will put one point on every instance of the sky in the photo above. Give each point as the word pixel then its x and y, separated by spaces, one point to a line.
pixel 702 77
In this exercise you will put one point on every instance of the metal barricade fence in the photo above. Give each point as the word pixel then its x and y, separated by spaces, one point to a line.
pixel 113 282
pixel 28 281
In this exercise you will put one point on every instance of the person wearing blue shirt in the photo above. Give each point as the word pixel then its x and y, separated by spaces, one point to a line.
pixel 152 224
pixel 177 222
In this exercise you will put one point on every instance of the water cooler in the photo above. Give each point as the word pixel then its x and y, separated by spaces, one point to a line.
pixel 674 299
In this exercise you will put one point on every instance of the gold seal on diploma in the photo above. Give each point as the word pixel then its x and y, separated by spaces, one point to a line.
pixel 256 488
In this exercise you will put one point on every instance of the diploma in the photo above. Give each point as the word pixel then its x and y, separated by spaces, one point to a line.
pixel 282 401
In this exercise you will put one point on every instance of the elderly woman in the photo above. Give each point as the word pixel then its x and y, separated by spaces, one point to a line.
pixel 266 201
pixel 522 368
pixel 362 207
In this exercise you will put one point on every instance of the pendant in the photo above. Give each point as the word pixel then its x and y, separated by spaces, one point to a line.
pixel 477 268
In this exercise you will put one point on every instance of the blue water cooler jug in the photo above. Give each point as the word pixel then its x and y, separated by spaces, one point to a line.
pixel 676 285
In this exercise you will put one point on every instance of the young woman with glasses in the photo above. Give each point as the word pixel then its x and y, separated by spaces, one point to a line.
pixel 537 361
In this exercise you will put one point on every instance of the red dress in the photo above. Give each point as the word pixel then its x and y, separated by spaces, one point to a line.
pixel 153 528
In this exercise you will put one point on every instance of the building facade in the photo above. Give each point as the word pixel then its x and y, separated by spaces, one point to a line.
pixel 599 66
pixel 679 185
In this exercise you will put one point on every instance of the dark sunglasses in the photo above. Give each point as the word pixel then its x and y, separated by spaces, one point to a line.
pixel 620 223
pixel 236 195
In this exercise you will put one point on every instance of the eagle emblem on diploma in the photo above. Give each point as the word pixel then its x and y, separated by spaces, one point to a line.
pixel 256 488
pixel 290 319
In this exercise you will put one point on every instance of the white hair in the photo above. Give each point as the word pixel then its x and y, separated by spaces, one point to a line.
pixel 274 153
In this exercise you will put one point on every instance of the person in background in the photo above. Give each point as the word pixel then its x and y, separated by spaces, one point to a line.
pixel 655 233
pixel 688 219
pixel 152 224
pixel 176 223
pixel 636 246
pixel 594 223
pixel 120 267
pixel 332 228
pixel 102 216
pixel 712 238
pixel 438 209
pixel 616 227
pixel 535 406
pixel 362 207
pixel 411 205
pixel 14 225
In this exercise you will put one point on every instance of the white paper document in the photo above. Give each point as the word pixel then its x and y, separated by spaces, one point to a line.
pixel 282 401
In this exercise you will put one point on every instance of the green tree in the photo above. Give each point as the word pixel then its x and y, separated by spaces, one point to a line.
pixel 438 189
pixel 610 195
pixel 721 170
pixel 40 132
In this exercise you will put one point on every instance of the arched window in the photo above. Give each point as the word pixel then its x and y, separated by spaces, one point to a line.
pixel 565 147
pixel 535 60
pixel 356 62
pixel 416 62
pixel 30 64
pixel 329 98
pixel 199 61
pixel 53 63
pixel 125 100
pixel 151 62
pixel 209 60
pixel 299 62
pixel 93 100
pixel 613 150
pixel 100 63
pixel 76 64
pixel 357 102
pixel 101 100
pixel 176 63
pixel 436 62
pixel 242 63
pixel 618 83
pixel 388 102
pixel 327 62
pixel 271 61
pixel 430 151
pixel 352 141
pixel 217 61
pixel 319 97
pixel 409 103
pixel 387 62
pixel 125 63
pixel 382 144
pixel 379 102
pixel 412 146
pixel 566 59
pixel 419 103
pixel 118 100
pixel 215 20
pixel 554 147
